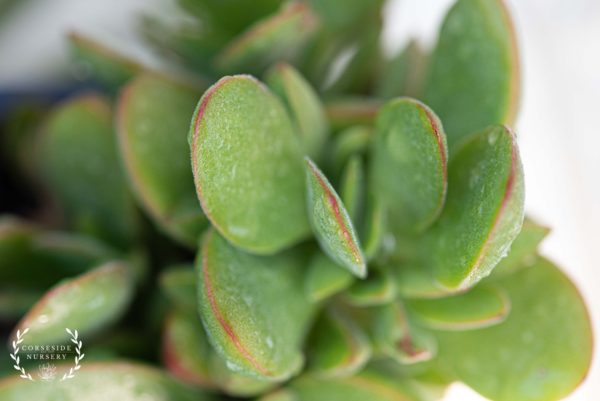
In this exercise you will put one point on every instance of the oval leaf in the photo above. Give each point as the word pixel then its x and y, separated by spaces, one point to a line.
pixel 87 303
pixel 474 75
pixel 122 381
pixel 153 123
pixel 179 285
pixel 484 209
pixel 253 309
pixel 304 106
pixel 352 188
pixel 247 166
pixel 541 352
pixel 482 306
pixel 409 163
pixel 331 222
pixel 274 38
pixel 378 289
pixel 81 166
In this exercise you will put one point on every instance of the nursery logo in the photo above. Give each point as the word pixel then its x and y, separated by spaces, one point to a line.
pixel 46 355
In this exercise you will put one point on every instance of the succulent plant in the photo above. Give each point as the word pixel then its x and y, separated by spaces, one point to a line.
pixel 318 236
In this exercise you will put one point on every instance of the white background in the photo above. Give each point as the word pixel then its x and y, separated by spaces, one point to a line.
pixel 558 125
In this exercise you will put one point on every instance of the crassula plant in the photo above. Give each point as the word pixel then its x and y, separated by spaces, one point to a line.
pixel 261 220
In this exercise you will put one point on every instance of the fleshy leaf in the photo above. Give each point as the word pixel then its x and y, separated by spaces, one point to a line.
pixel 179 285
pixel 153 124
pixel 87 303
pixel 33 258
pixel 337 347
pixel 481 306
pixel 189 356
pixel 274 38
pixel 374 226
pixel 15 301
pixel 247 166
pixel 369 384
pixel 331 222
pixel 403 74
pixel 304 105
pixel 541 352
pixel 104 64
pixel 254 311
pixel 122 381
pixel 394 336
pixel 474 74
pixel 325 278
pixel 483 212
pixel 523 251
pixel 378 289
pixel 415 281
pixel 409 164
pixel 350 142
pixel 186 352
pixel 81 166
pixel 352 188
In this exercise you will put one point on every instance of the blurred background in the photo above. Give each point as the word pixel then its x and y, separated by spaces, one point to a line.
pixel 559 137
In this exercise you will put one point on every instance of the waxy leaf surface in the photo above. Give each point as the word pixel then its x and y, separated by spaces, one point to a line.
pixel 377 289
pixel 153 124
pixel 541 352
pixel 247 164
pixel 86 303
pixel 179 285
pixel 331 223
pixel 480 307
pixel 353 189
pixel 473 79
pixel 483 212
pixel 409 164
pixel 254 311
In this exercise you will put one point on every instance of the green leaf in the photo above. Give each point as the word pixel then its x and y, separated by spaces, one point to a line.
pixel 104 64
pixel 369 384
pixel 349 142
pixel 33 258
pixel 247 166
pixel 325 278
pixel 186 352
pixel 178 283
pixel 378 289
pixel 481 306
pixel 80 165
pixel 347 112
pixel 153 123
pixel 188 356
pixel 484 209
pixel 331 222
pixel 409 164
pixel 523 251
pixel 403 75
pixel 16 301
pixel 122 381
pixel 87 303
pixel 474 75
pixel 253 309
pixel 374 226
pixel 416 281
pixel 304 105
pixel 394 336
pixel 352 188
pixel 337 347
pixel 540 353
pixel 275 38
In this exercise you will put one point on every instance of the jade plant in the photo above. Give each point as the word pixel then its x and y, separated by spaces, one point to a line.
pixel 249 220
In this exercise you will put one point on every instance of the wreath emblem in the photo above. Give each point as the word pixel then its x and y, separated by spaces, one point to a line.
pixel 16 345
